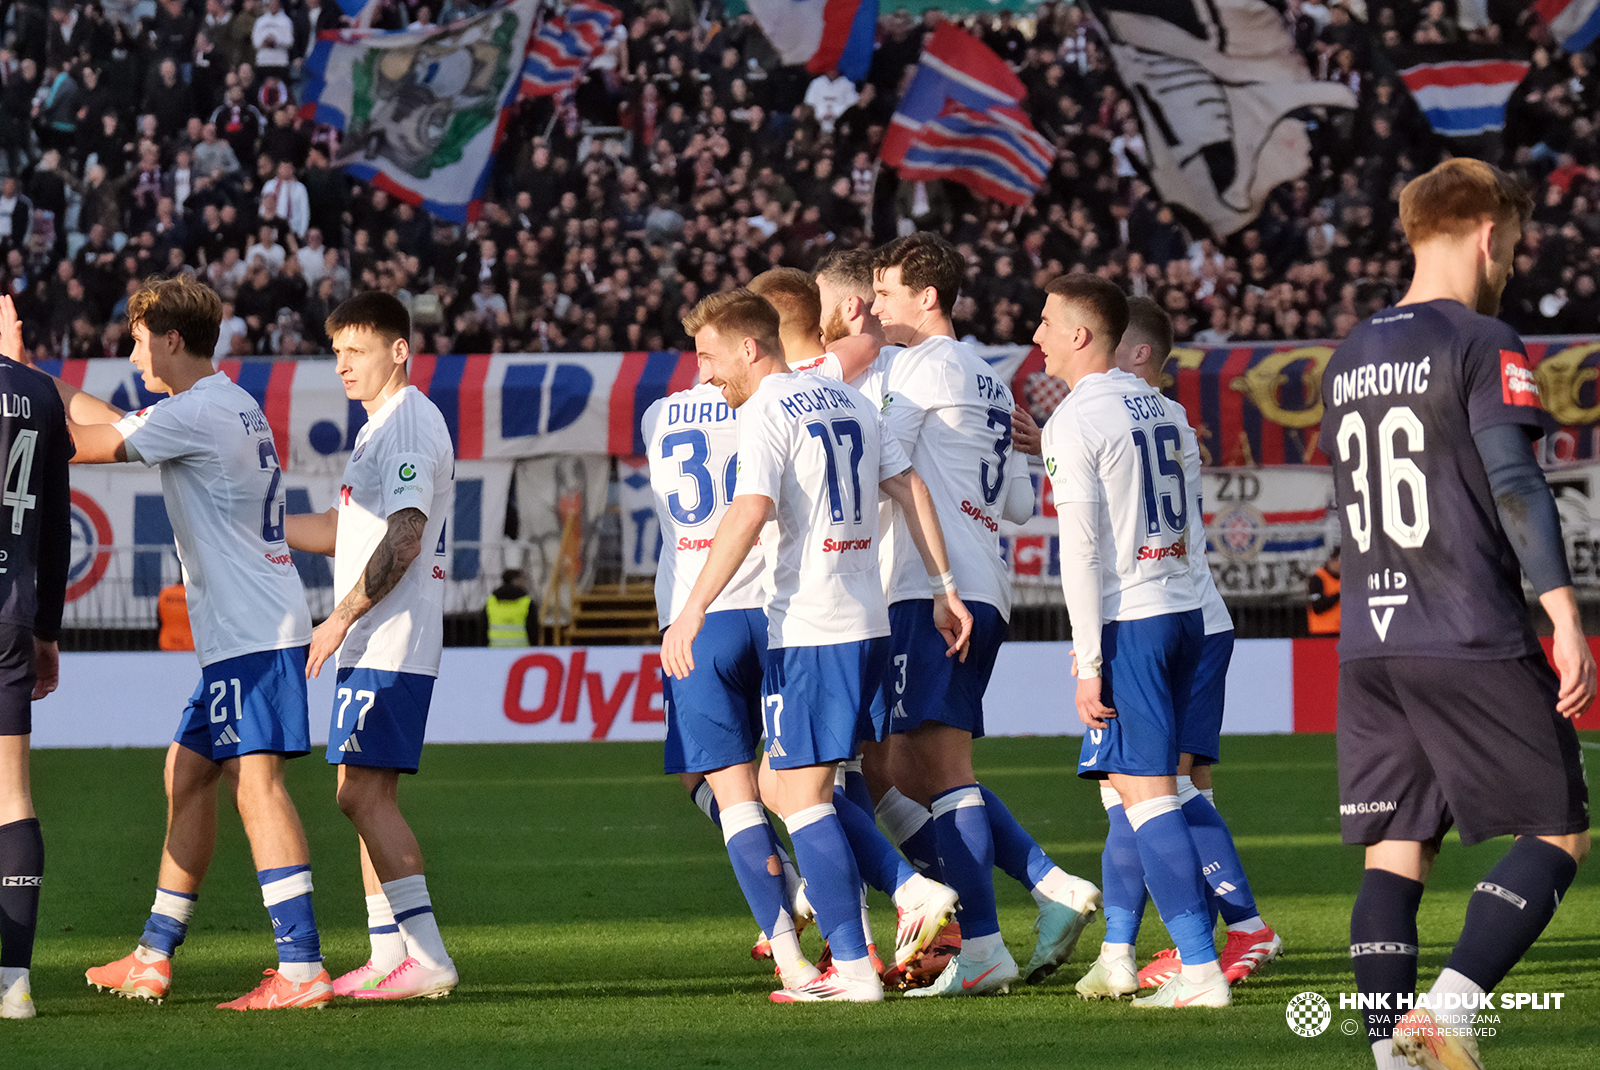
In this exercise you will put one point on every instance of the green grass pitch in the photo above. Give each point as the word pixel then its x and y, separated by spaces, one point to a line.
pixel 595 921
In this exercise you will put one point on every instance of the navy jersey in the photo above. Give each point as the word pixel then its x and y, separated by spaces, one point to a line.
pixel 1427 569
pixel 35 502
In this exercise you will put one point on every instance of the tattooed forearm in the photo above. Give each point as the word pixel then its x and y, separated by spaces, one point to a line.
pixel 400 546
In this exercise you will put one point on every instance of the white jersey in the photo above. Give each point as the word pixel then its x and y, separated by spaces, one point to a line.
pixel 952 415
pixel 1117 444
pixel 1218 619
pixel 816 448
pixel 693 440
pixel 403 459
pixel 224 492
pixel 869 382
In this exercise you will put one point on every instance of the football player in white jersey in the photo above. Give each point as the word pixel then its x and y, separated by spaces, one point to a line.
pixel 1114 454
pixel 1143 352
pixel 222 483
pixel 811 450
pixel 799 301
pixel 714 722
pixel 952 415
pixel 387 539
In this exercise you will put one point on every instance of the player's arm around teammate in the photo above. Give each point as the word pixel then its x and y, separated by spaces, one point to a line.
pixel 386 631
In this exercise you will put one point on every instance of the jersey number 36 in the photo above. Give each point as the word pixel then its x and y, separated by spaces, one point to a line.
pixel 1394 472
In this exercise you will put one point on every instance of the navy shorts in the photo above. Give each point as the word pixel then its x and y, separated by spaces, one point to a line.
pixel 379 719
pixel 251 704
pixel 714 714
pixel 16 680
pixel 1202 721
pixel 1147 673
pixel 1426 743
pixel 818 701
pixel 922 684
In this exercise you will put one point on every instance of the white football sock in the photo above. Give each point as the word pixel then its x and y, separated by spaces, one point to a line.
pixel 1249 925
pixel 982 948
pixel 300 972
pixel 1204 973
pixel 413 912
pixel 388 946
pixel 1116 951
pixel 149 955
pixel 1383 1054
pixel 1052 887
pixel 1453 982
pixel 856 969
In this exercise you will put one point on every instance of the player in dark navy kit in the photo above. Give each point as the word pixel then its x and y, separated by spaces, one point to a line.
pixel 35 548
pixel 1449 713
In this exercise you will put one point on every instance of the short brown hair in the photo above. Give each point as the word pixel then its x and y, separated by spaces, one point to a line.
pixel 848 269
pixel 1456 196
pixel 793 293
pixel 180 304
pixel 924 260
pixel 1099 298
pixel 738 313
pixel 381 312
pixel 1151 323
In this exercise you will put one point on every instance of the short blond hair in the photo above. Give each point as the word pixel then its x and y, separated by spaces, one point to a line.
pixel 180 304
pixel 737 314
pixel 796 297
pixel 1458 195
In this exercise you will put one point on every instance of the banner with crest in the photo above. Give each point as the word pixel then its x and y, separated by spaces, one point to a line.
pixel 422 111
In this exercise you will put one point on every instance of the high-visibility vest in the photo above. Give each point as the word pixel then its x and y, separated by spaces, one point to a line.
pixel 1326 622
pixel 172 610
pixel 508 620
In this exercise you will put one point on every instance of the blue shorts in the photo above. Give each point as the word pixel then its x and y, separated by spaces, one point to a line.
pixel 1202 721
pixel 922 684
pixel 251 704
pixel 379 719
pixel 1147 675
pixel 818 701
pixel 714 714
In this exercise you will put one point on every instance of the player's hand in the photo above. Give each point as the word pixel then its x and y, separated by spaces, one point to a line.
pixel 1025 435
pixel 46 660
pixel 1074 663
pixel 1575 664
pixel 325 641
pixel 954 622
pixel 1091 711
pixel 677 644
pixel 11 331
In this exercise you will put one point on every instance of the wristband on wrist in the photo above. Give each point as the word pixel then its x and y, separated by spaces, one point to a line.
pixel 943 583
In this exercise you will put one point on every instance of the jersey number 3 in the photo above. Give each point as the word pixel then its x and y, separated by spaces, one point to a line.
pixel 1394 472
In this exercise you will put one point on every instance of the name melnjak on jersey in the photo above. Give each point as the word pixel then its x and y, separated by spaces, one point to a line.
pixel 820 398
pixel 1373 380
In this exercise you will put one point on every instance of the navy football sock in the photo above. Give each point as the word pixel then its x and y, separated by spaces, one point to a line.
pixel 855 785
pixel 966 857
pixel 1121 879
pixel 833 884
pixel 1383 945
pixel 21 868
pixel 1017 854
pixel 879 864
pixel 1510 908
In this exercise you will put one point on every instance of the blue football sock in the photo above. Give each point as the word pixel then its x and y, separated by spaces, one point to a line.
pixel 833 883
pixel 286 893
pixel 750 848
pixel 1172 873
pixel 1015 852
pixel 966 857
pixel 1219 860
pixel 879 864
pixel 855 785
pixel 169 921
pixel 1121 877
pixel 706 800
pixel 909 825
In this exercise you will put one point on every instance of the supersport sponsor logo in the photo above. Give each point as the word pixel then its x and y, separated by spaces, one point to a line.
pixel 979 515
pixel 279 559
pixel 834 546
pixel 1517 385
pixel 1160 553
pixel 686 543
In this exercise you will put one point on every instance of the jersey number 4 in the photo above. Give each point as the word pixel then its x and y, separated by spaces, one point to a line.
pixel 1394 472
pixel 19 473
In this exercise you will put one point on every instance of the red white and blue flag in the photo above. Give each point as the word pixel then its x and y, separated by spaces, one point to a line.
pixel 1574 23
pixel 562 48
pixel 997 153
pixel 1467 97
pixel 822 34
pixel 955 66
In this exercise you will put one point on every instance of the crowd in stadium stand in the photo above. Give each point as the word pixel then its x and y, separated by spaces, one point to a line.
pixel 147 138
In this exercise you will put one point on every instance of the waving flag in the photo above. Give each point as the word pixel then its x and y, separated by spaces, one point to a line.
pixel 1464 98
pixel 422 111
pixel 997 153
pixel 1575 23
pixel 822 34
pixel 955 66
pixel 562 48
